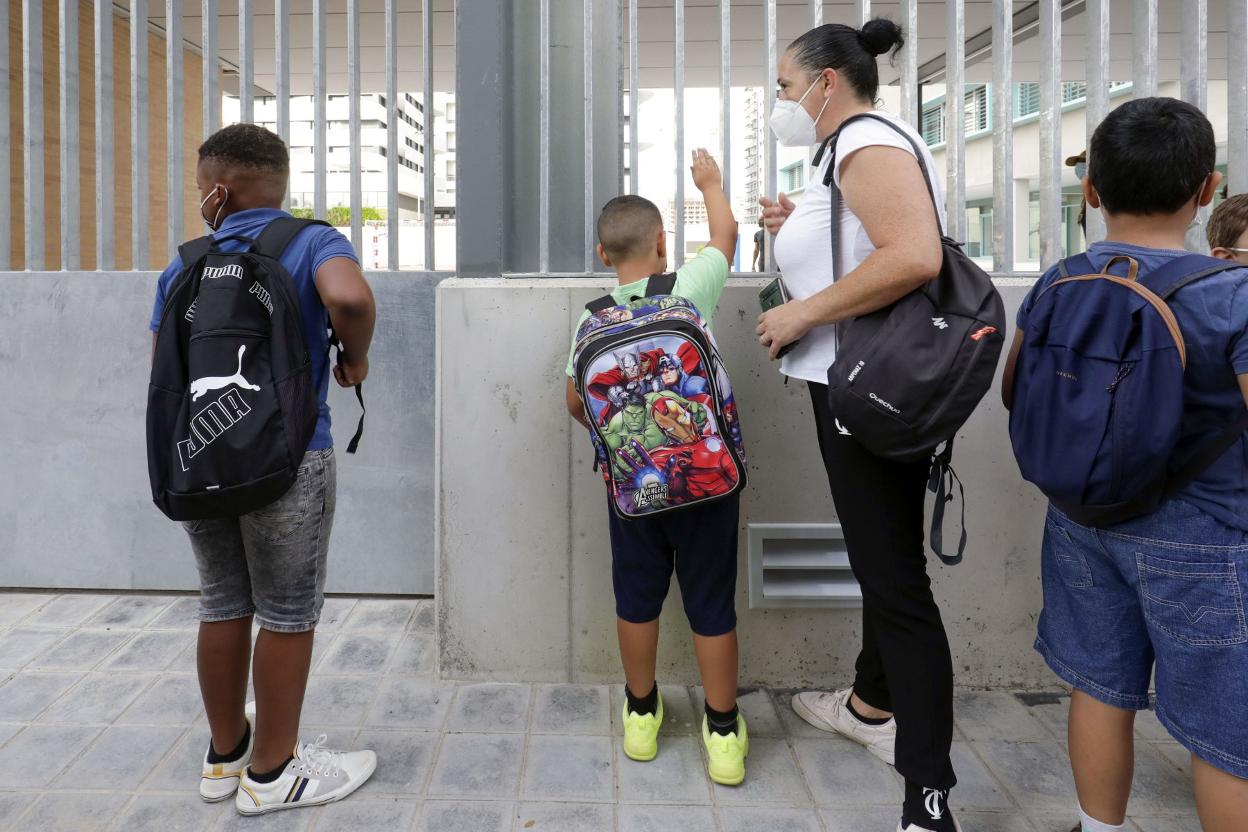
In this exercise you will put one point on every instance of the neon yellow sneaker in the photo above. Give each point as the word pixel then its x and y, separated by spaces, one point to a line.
pixel 726 754
pixel 641 733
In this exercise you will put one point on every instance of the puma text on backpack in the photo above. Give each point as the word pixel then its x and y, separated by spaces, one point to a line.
pixel 1097 390
pixel 665 428
pixel 232 405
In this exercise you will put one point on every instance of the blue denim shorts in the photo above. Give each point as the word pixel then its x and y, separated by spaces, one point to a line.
pixel 270 563
pixel 1165 590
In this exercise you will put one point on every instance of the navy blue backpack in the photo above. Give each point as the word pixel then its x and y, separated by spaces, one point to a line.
pixel 1097 390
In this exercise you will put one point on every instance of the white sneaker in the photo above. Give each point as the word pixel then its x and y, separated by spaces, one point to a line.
pixel 219 781
pixel 830 712
pixel 316 775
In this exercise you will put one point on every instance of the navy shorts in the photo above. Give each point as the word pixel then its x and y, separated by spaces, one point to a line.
pixel 700 544
pixel 1158 599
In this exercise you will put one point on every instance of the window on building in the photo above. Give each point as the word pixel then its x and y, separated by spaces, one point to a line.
pixel 1026 100
pixel 933 124
pixel 793 177
pixel 450 141
pixel 975 108
pixel 382 100
pixel 1074 91
pixel 450 113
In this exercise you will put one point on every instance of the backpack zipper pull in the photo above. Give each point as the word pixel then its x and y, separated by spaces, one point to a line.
pixel 1123 372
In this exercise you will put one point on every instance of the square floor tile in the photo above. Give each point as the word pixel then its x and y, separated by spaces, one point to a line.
pixel 842 773
pixel 977 789
pixel 173 700
pixel 490 708
pixel 359 653
pixel 863 819
pixel 22 645
pixel 299 820
pixel 771 776
pixel 769 820
pixel 403 761
pixel 32 758
pixel 14 606
pixel 1159 788
pixel 81 650
pixel 338 700
pixel 1036 774
pixel 12 805
pixel 995 715
pixel 172 813
pixel 384 814
pixel 8 730
pixel 387 616
pixel 130 611
pixel 564 817
pixel 182 614
pixel 99 697
pixel 333 613
pixel 24 696
pixel 667 819
pixel 425 619
pixel 571 709
pixel 74 811
pixel 417 653
pixel 120 758
pixel 569 768
pixel 68 610
pixel 456 816
pixel 150 650
pixel 411 702
pixel 478 765
pixel 180 770
pixel 677 775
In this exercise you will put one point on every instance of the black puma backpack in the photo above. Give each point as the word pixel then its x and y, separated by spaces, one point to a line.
pixel 232 405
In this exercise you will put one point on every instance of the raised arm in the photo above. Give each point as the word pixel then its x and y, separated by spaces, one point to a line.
pixel 710 182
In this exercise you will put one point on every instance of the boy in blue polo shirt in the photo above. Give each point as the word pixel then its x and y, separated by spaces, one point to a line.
pixel 270 564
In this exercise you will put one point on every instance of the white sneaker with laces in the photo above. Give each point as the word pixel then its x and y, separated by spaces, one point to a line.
pixel 830 712
pixel 219 781
pixel 314 776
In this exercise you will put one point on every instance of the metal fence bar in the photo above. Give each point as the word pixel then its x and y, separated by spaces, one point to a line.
pixel 955 127
pixel 353 125
pixel 1194 89
pixel 426 14
pixel 543 164
pixel 816 13
pixel 71 233
pixel 678 88
pixel 909 59
pixel 588 80
pixel 392 135
pixel 5 141
pixel 1097 17
pixel 1051 245
pixel 863 10
pixel 621 85
pixel 281 45
pixel 320 137
pixel 1002 136
pixel 174 113
pixel 32 117
pixel 1237 97
pixel 725 94
pixel 634 93
pixel 212 69
pixel 1194 51
pixel 246 61
pixel 1144 47
pixel 770 174
pixel 139 195
pixel 105 231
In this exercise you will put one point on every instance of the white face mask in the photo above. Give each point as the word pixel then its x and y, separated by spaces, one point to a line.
pixel 791 124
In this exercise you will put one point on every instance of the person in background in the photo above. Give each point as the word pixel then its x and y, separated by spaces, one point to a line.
pixel 1228 229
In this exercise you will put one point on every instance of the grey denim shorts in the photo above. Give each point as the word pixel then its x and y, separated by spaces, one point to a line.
pixel 270 563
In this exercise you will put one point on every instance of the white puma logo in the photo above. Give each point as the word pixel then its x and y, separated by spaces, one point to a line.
pixel 842 429
pixel 200 386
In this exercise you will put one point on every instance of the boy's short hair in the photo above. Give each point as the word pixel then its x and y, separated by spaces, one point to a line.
pixel 247 146
pixel 628 227
pixel 1228 222
pixel 1151 156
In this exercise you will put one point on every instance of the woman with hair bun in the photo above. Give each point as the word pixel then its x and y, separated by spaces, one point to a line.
pixel 901 703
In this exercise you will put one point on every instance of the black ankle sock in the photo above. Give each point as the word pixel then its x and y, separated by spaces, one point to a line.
pixel 643 705
pixel 864 720
pixel 214 757
pixel 268 776
pixel 927 809
pixel 722 722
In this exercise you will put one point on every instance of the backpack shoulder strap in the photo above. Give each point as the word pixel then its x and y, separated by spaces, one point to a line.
pixel 1207 455
pixel 277 235
pixel 661 284
pixel 1186 269
pixel 597 305
pixel 193 251
pixel 1077 264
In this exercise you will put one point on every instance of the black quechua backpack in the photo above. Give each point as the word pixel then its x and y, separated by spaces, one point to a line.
pixel 908 376
pixel 232 405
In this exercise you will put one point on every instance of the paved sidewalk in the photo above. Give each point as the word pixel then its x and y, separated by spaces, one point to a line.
pixel 101 729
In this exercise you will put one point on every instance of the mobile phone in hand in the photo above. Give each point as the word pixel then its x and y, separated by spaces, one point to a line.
pixel 772 295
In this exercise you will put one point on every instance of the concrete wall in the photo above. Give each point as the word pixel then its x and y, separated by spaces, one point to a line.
pixel 524 584
pixel 75 504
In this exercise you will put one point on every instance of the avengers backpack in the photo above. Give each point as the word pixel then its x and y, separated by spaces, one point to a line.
pixel 665 428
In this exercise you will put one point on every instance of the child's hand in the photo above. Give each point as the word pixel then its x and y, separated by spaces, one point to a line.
pixel 705 171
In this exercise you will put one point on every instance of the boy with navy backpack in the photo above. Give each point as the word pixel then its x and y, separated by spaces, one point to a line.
pixel 1127 385
pixel 645 378
pixel 236 412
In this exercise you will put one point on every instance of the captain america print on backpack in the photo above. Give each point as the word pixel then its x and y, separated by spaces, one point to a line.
pixel 665 428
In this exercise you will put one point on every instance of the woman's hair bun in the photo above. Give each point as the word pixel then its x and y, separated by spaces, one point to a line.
pixel 880 35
